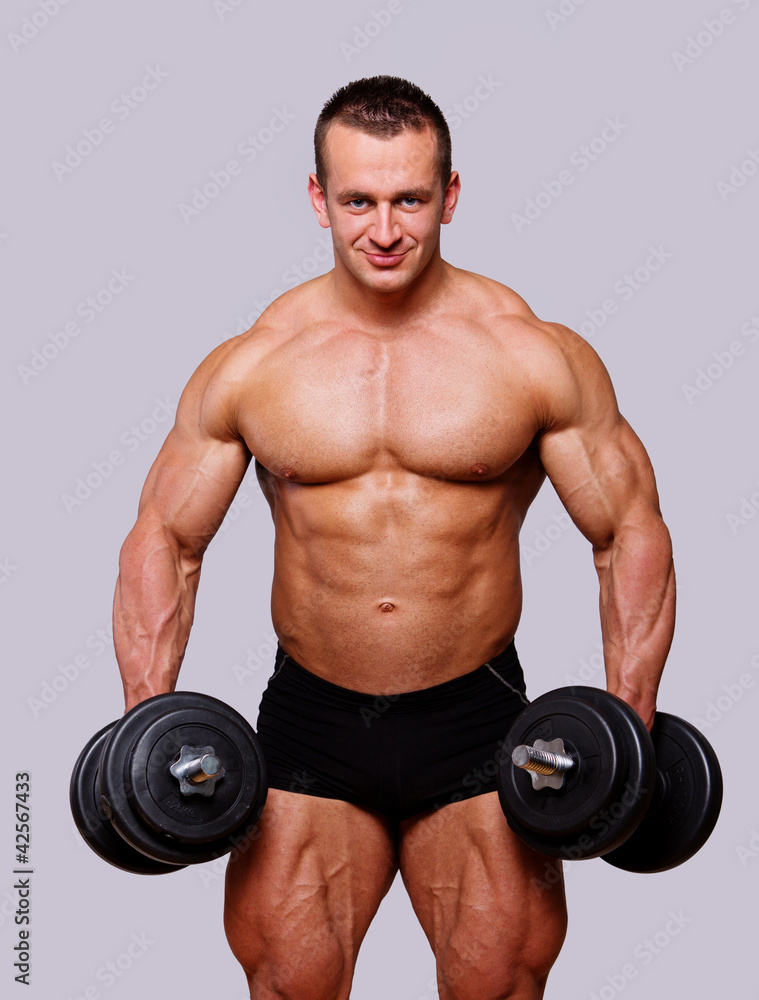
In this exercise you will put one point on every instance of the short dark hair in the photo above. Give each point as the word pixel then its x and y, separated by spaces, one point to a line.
pixel 383 106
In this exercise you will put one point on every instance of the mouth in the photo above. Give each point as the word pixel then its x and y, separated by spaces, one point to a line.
pixel 384 259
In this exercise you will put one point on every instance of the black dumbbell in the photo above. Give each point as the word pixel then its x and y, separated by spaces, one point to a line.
pixel 178 780
pixel 582 778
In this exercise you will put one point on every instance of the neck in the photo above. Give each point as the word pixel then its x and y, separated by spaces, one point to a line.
pixel 376 308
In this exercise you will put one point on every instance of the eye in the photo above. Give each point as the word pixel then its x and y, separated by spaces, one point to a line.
pixel 414 202
pixel 357 202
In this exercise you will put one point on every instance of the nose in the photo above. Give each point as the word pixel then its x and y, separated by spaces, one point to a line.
pixel 385 231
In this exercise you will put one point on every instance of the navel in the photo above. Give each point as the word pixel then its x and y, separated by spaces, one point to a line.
pixel 387 606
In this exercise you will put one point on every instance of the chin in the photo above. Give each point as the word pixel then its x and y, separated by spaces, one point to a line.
pixel 388 282
pixel 399 276
pixel 390 279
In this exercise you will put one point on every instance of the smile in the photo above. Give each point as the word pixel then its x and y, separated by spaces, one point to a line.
pixel 385 259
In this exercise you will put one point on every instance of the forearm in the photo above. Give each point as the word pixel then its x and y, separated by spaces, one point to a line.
pixel 637 604
pixel 153 612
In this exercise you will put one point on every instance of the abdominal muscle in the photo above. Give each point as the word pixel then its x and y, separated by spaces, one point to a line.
pixel 393 581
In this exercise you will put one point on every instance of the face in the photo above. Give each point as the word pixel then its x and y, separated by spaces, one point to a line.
pixel 384 204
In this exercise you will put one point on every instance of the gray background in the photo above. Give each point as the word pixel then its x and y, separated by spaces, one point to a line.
pixel 224 69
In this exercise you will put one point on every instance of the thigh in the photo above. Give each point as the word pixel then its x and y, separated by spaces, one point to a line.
pixel 492 908
pixel 301 895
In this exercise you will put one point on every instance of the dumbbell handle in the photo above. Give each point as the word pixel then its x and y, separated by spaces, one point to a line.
pixel 541 761
pixel 197 769
pixel 202 768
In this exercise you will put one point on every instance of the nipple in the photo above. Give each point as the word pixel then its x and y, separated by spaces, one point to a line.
pixel 288 473
pixel 480 469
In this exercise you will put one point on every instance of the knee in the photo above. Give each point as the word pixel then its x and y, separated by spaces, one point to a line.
pixel 287 980
pixel 514 968
pixel 456 982
pixel 306 970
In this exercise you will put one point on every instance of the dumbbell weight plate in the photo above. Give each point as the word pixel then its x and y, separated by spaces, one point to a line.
pixel 94 825
pixel 686 802
pixel 154 816
pixel 155 790
pixel 604 795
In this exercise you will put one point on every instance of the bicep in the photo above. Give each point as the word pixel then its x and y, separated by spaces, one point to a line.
pixel 594 459
pixel 198 469
pixel 604 484
pixel 191 486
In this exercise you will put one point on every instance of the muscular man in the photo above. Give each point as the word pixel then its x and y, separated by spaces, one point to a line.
pixel 403 414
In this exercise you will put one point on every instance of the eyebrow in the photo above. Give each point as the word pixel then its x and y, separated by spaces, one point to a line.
pixel 410 193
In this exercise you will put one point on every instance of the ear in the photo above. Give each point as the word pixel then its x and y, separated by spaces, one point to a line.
pixel 451 197
pixel 318 198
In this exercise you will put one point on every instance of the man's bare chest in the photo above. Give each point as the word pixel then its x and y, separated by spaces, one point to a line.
pixel 429 406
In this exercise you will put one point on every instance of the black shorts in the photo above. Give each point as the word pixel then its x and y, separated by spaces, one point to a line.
pixel 399 754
